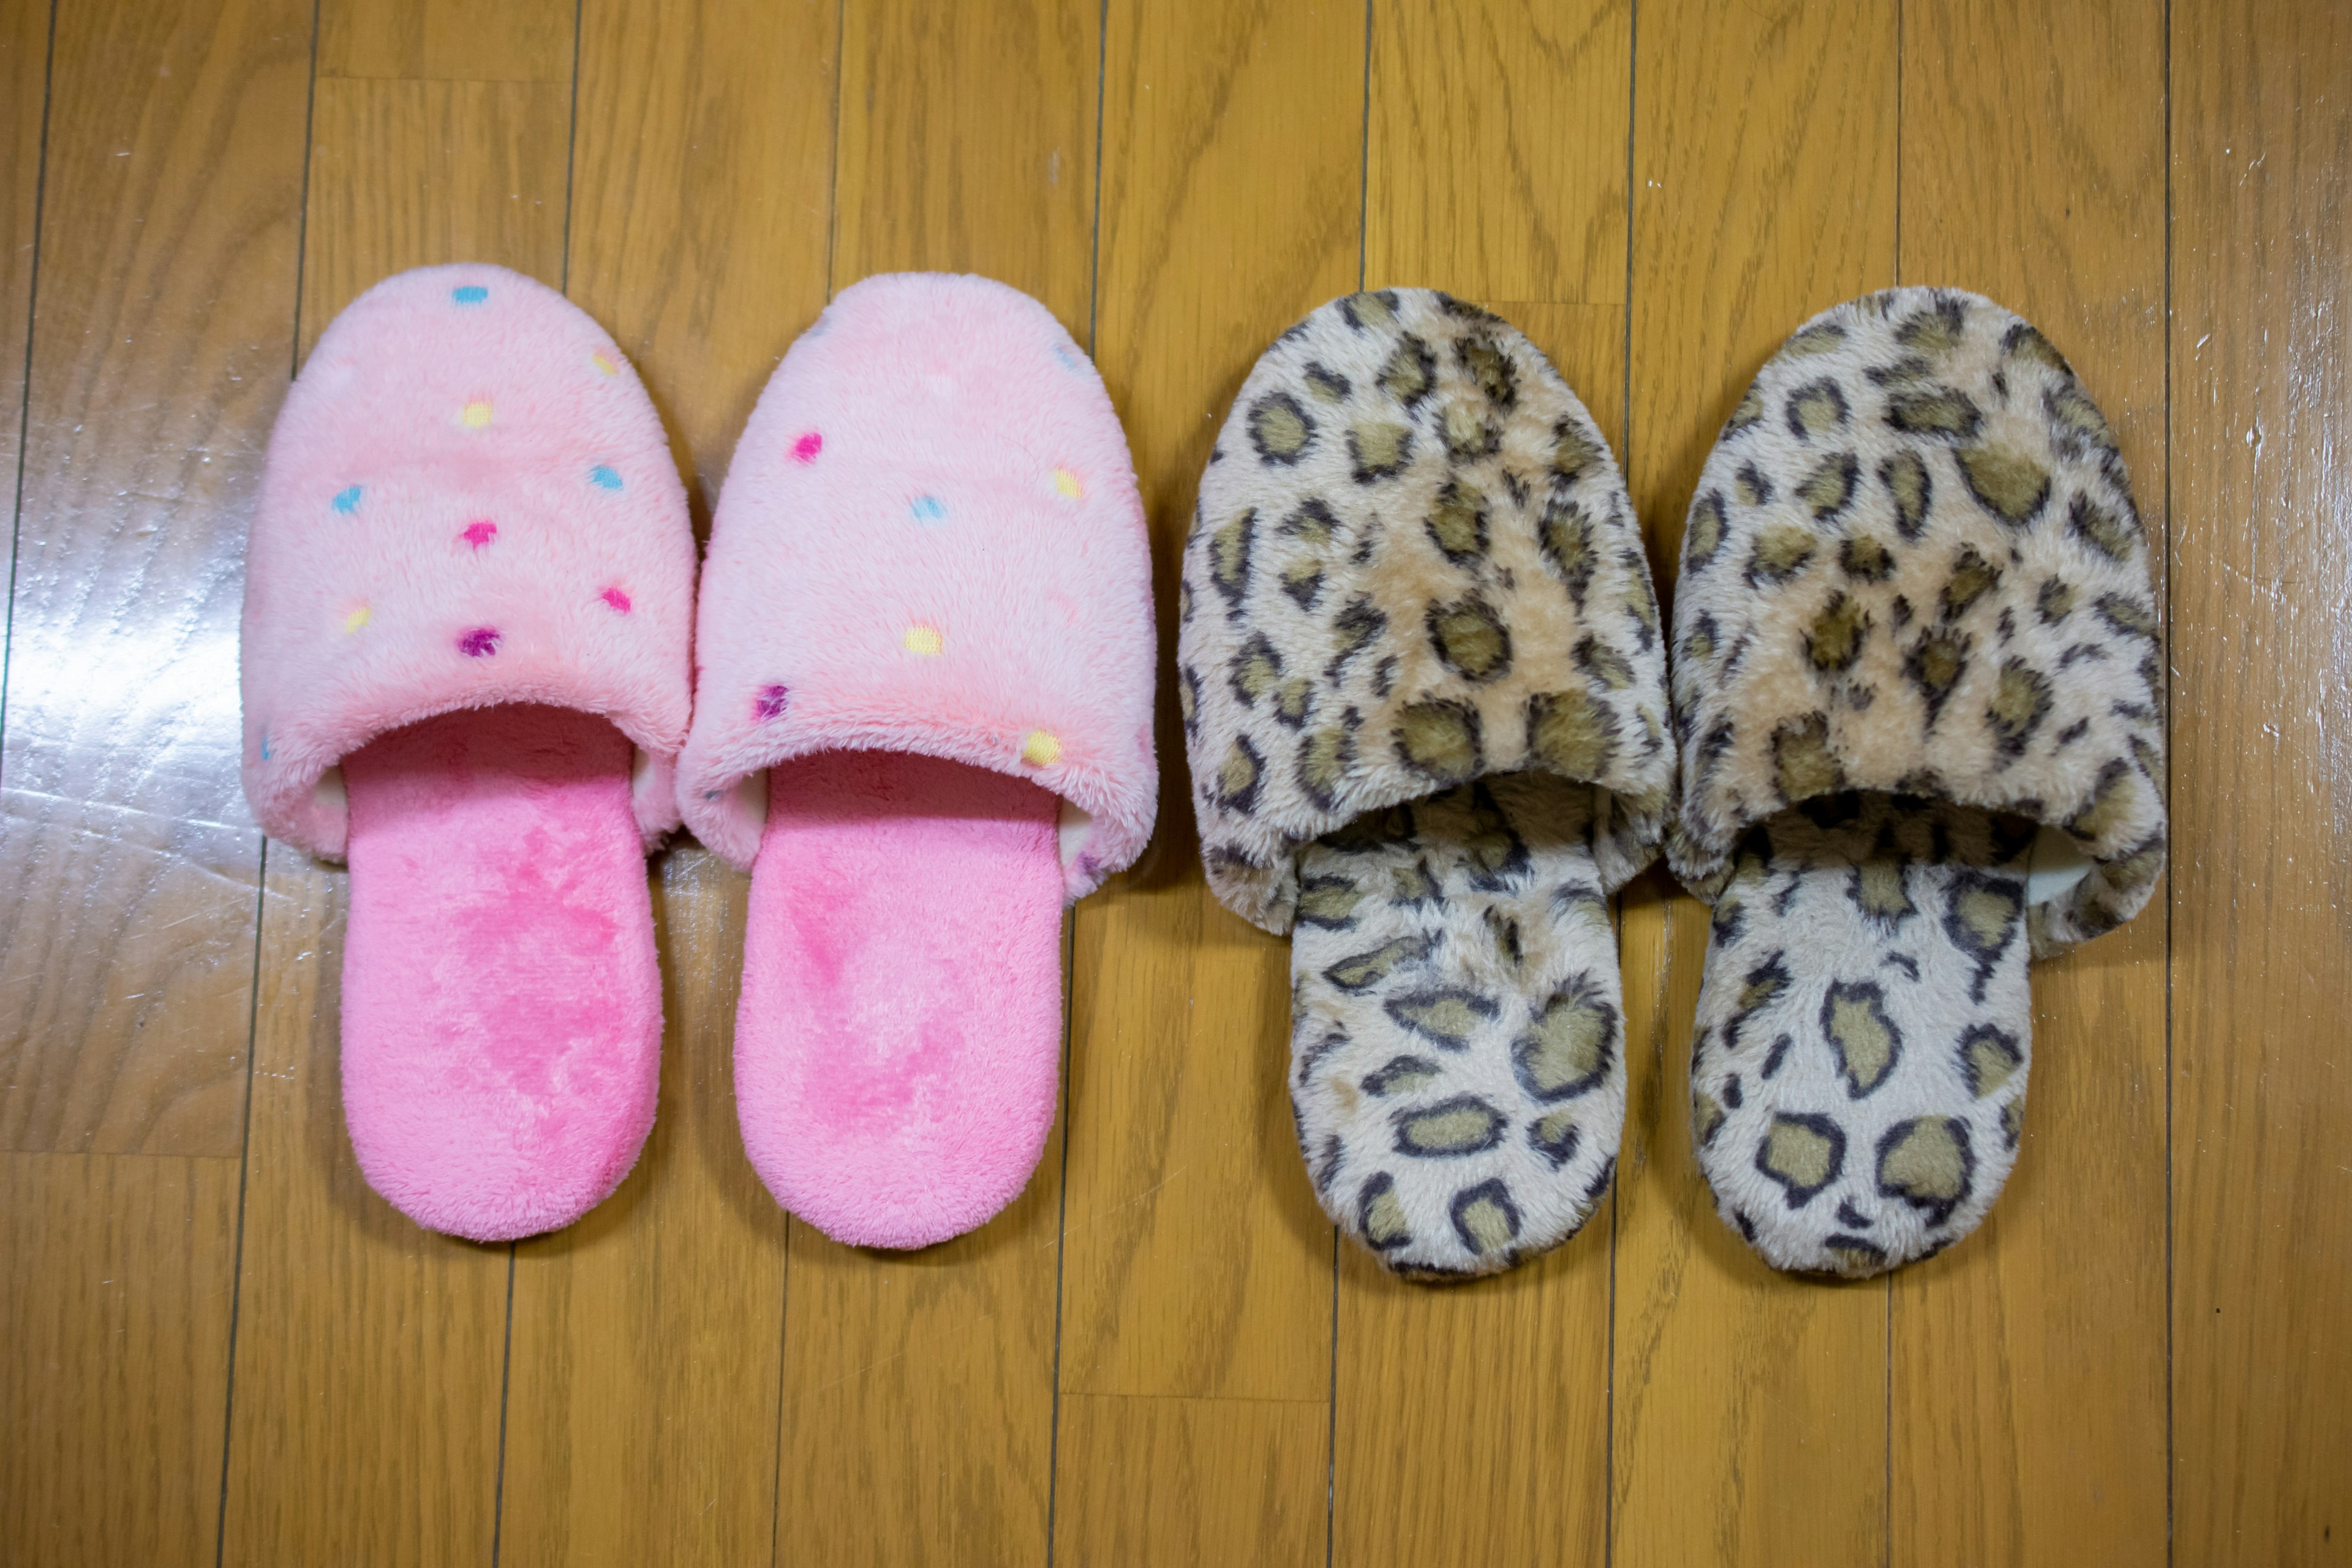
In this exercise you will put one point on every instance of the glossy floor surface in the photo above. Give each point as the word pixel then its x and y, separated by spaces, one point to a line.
pixel 217 1344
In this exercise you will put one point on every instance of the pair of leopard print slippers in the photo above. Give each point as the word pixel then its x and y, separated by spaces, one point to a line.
pixel 1425 695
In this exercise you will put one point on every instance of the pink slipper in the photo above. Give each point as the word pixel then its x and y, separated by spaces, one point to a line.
pixel 928 613
pixel 468 603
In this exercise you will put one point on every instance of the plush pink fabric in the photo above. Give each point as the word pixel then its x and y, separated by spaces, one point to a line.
pixel 900 1033
pixel 470 508
pixel 926 613
pixel 930 540
pixel 501 1004
pixel 468 501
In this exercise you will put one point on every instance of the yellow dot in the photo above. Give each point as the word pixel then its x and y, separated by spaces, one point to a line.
pixel 476 415
pixel 1041 749
pixel 923 640
pixel 603 365
pixel 357 619
pixel 1066 484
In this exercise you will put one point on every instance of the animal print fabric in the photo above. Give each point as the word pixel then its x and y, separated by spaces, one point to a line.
pixel 1858 1073
pixel 1421 678
pixel 1457 1046
pixel 1914 620
pixel 1913 565
pixel 1414 564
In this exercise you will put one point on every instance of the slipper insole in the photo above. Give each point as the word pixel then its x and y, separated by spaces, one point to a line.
pixel 898 1048
pixel 1858 1072
pixel 1457 1067
pixel 501 1006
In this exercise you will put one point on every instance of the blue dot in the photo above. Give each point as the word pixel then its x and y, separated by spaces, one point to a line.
pixel 604 477
pixel 265 747
pixel 930 509
pixel 469 294
pixel 347 499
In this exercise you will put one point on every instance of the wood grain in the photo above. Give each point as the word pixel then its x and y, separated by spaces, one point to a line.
pixel 2262 404
pixel 1197 1266
pixel 1750 1407
pixel 1496 172
pixel 116 1297
pixel 2028 1375
pixel 371 1356
pixel 700 187
pixel 24 89
pixel 1169 1483
pixel 160 341
pixel 923 1383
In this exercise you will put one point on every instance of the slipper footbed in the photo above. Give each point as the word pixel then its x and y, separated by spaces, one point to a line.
pixel 501 1002
pixel 1457 1064
pixel 897 1043
pixel 1858 1076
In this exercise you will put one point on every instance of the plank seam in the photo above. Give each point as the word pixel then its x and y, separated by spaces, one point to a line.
pixel 261 868
pixel 24 405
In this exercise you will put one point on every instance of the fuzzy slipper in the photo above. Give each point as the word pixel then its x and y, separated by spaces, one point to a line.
pixel 1915 686
pixel 927 617
pixel 468 599
pixel 1423 693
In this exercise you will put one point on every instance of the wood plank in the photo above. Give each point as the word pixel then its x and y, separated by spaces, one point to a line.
pixel 2262 139
pixel 116 1359
pixel 1197 1266
pixel 701 186
pixel 370 1355
pixel 1179 1482
pixel 23 90
pixel 2028 1381
pixel 159 340
pixel 1497 172
pixel 1750 1407
pixel 922 1383
pixel 446 40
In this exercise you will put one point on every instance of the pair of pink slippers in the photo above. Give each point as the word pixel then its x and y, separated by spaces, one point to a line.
pixel 915 700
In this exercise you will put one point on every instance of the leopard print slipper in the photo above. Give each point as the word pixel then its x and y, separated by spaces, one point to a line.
pixel 1914 688
pixel 1422 685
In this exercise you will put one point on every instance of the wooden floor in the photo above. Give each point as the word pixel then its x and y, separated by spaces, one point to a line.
pixel 217 1345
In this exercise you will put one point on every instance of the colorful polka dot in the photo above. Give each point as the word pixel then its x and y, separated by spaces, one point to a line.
pixel 265 747
pixel 805 449
pixel 617 598
pixel 480 642
pixel 923 640
pixel 347 499
pixel 469 293
pixel 1068 355
pixel 604 363
pixel 930 510
pixel 357 618
pixel 771 701
pixel 1066 485
pixel 604 477
pixel 1041 748
pixel 479 533
pixel 476 414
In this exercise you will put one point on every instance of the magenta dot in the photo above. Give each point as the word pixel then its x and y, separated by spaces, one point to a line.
pixel 480 533
pixel 478 643
pixel 805 449
pixel 617 599
pixel 771 701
